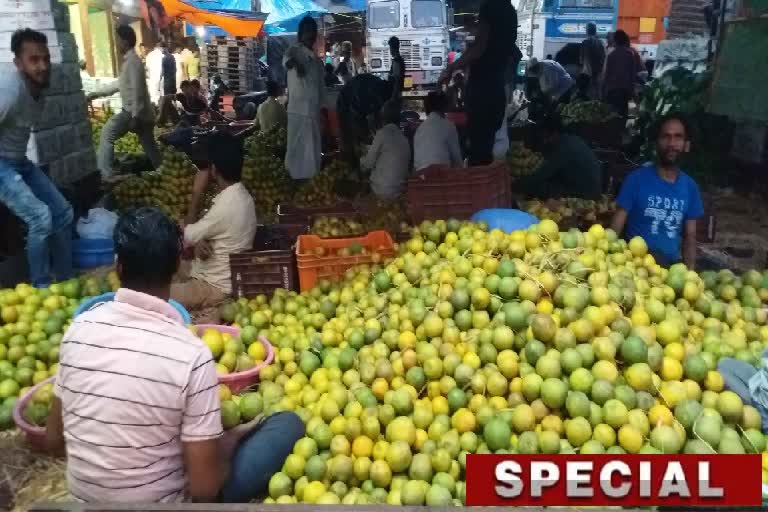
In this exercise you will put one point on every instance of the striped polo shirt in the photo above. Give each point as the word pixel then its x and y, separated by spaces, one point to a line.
pixel 134 384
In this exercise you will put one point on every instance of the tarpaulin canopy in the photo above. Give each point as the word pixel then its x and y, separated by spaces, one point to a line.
pixel 239 23
pixel 284 15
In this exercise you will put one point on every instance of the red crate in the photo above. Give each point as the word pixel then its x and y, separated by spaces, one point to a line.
pixel 314 267
pixel 441 193
pixel 262 272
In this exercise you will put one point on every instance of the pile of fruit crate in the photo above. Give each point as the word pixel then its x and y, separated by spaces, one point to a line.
pixel 233 59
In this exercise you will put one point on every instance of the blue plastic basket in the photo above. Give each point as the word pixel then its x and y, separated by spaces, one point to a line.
pixel 90 253
pixel 507 220
pixel 104 297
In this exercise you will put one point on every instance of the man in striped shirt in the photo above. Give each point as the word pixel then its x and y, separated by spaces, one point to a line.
pixel 137 396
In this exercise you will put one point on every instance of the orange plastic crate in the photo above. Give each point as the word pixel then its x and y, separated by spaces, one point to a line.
pixel 441 192
pixel 313 268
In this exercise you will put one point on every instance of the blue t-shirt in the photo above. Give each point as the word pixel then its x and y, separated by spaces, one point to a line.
pixel 657 210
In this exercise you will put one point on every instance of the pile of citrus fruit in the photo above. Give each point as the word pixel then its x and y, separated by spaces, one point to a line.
pixel 32 323
pixel 233 353
pixel 471 341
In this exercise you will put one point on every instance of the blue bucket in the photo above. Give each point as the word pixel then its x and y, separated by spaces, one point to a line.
pixel 90 253
pixel 507 220
pixel 104 297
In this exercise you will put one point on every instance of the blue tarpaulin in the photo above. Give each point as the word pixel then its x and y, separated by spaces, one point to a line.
pixel 284 15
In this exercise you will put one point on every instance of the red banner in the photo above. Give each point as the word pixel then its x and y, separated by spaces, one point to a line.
pixel 611 480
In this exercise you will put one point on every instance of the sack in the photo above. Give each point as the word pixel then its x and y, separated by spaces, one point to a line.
pixel 99 224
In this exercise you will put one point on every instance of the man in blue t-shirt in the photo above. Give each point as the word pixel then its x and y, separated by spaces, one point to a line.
pixel 660 203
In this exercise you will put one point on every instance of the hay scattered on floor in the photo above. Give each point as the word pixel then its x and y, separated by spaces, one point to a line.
pixel 26 476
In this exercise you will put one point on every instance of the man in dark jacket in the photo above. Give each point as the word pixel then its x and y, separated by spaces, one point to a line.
pixel 592 60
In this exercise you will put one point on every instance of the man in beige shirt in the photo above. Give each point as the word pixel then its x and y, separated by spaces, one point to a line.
pixel 228 227
pixel 137 115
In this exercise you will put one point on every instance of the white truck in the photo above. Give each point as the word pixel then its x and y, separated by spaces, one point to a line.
pixel 422 28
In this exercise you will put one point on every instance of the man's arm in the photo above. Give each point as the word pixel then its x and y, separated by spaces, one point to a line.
pixel 135 82
pixel 105 90
pixel 397 86
pixel 473 52
pixel 619 220
pixel 54 432
pixel 368 161
pixel 7 101
pixel 209 226
pixel 689 244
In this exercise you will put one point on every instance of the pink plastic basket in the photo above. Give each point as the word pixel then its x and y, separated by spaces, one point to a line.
pixel 241 380
pixel 35 435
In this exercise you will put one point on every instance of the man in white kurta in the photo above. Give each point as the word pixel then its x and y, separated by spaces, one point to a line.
pixel 305 96
pixel 154 62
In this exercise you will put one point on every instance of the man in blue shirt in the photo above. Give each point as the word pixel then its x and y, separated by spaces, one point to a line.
pixel 660 203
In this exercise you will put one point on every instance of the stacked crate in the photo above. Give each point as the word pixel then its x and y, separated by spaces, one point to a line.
pixel 233 59
pixel 61 140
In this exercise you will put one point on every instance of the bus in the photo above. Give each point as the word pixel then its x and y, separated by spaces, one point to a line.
pixel 422 27
pixel 546 26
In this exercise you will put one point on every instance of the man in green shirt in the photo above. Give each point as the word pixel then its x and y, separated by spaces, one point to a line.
pixel 570 168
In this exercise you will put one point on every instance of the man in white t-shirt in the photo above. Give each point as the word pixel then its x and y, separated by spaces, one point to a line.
pixel 436 141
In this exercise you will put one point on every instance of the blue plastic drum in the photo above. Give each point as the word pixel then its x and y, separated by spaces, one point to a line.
pixel 104 297
pixel 507 220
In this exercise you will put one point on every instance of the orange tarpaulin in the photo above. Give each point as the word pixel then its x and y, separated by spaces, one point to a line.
pixel 247 25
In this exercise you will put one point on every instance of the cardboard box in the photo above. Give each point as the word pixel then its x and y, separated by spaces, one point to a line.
pixel 55 38
pixel 59 54
pixel 44 146
pixel 65 79
pixel 57 19
pixel 83 135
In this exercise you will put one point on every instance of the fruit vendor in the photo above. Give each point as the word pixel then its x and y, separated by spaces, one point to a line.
pixel 436 141
pixel 357 105
pixel 306 88
pixel 228 227
pixel 138 114
pixel 570 167
pixel 389 157
pixel 661 203
pixel 137 396
pixel 24 188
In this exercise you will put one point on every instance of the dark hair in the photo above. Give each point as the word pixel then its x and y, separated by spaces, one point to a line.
pixel 228 156
pixel 620 38
pixel 435 102
pixel 148 244
pixel 273 88
pixel 671 116
pixel 184 83
pixel 306 23
pixel 127 34
pixel 26 35
pixel 195 83
pixel 591 29
pixel 394 42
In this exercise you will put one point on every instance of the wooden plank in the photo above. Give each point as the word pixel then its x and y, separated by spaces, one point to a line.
pixel 85 27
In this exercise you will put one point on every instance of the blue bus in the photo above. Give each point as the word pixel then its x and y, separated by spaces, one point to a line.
pixel 546 26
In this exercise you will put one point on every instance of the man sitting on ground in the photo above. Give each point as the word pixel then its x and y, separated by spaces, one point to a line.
pixel 389 156
pixel 570 167
pixel 436 141
pixel 271 114
pixel 137 396
pixel 228 227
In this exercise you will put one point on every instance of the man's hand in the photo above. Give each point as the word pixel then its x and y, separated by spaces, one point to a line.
pixel 232 437
pixel 203 250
